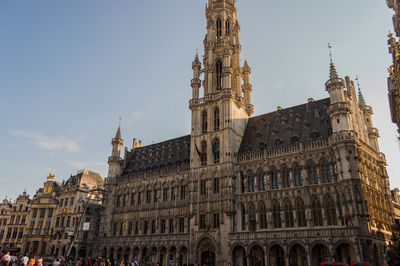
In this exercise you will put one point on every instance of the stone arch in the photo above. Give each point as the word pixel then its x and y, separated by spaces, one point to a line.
pixel 127 254
pixel 119 254
pixel 345 252
pixel 239 255
pixel 153 254
pixel 112 254
pixel 206 252
pixel 256 254
pixel 135 253
pixel 276 254
pixel 163 255
pixel 297 254
pixel 182 255
pixel 172 254
pixel 319 253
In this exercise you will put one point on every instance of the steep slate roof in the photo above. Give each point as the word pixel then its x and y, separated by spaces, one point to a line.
pixel 284 127
pixel 159 155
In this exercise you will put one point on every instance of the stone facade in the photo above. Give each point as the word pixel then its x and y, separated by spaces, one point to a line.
pixel 13 220
pixel 39 230
pixel 394 69
pixel 296 186
pixel 79 202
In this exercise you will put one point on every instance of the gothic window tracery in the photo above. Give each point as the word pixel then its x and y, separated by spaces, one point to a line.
pixel 285 177
pixel 219 27
pixel 228 27
pixel 300 213
pixel 252 217
pixel 274 179
pixel 312 173
pixel 215 150
pixel 325 172
pixel 316 212
pixel 289 220
pixel 263 216
pixel 243 218
pixel 204 122
pixel 216 119
pixel 242 183
pixel 204 152
pixel 330 210
pixel 219 75
pixel 276 215
pixel 261 181
pixel 298 180
pixel 251 187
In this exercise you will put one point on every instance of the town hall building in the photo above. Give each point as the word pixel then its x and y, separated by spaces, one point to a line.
pixel 296 186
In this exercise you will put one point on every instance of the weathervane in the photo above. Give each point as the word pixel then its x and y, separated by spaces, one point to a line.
pixel 358 83
pixel 119 118
pixel 330 51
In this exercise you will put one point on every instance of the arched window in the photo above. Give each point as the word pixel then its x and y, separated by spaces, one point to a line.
pixel 203 152
pixel 228 27
pixel 215 150
pixel 216 118
pixel 325 172
pixel 263 216
pixel 330 210
pixel 285 177
pixel 251 186
pixel 204 122
pixel 242 186
pixel 316 212
pixel 260 180
pixel 243 218
pixel 312 173
pixel 298 180
pixel 219 27
pixel 300 213
pixel 274 179
pixel 289 220
pixel 219 74
pixel 252 217
pixel 276 215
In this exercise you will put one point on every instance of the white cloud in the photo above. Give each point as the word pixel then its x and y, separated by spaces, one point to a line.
pixel 59 143
pixel 85 165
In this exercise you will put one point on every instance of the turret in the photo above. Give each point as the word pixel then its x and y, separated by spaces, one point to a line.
pixel 115 160
pixel 247 87
pixel 339 109
pixel 373 133
pixel 196 82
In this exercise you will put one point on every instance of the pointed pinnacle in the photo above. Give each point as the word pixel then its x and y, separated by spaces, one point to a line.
pixel 118 135
pixel 332 73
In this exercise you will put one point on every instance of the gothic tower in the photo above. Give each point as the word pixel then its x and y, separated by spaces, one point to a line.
pixel 220 116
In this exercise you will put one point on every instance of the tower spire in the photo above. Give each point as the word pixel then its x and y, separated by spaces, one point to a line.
pixel 361 100
pixel 332 72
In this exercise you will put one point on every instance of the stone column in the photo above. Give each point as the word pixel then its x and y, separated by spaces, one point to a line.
pixel 248 259
pixel 267 257
pixel 309 259
pixel 286 252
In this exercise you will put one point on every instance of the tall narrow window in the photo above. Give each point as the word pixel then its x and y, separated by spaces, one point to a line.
pixel 289 215
pixel 250 181
pixel 276 215
pixel 263 216
pixel 219 75
pixel 312 173
pixel 215 150
pixel 202 222
pixel 216 220
pixel 242 186
pixel 298 181
pixel 325 172
pixel 300 213
pixel 252 217
pixel 316 212
pixel 203 187
pixel 274 179
pixel 204 122
pixel 330 210
pixel 216 186
pixel 260 180
pixel 204 153
pixel 285 177
pixel 219 27
pixel 243 218
pixel 216 118
pixel 228 28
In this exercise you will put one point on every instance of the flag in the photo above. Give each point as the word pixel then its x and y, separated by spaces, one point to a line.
pixel 201 154
pixel 214 149
pixel 347 214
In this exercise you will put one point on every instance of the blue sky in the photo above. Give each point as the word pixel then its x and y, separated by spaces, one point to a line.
pixel 69 69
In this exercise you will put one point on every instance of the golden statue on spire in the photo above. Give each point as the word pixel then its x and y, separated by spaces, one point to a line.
pixel 50 176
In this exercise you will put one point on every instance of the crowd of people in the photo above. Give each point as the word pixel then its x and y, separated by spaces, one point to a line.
pixel 8 259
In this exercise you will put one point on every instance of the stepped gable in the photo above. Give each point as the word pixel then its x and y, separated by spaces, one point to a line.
pixel 164 154
pixel 285 127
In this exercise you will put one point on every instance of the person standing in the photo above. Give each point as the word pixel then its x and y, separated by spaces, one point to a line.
pixel 6 258
pixel 24 260
pixel 39 261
